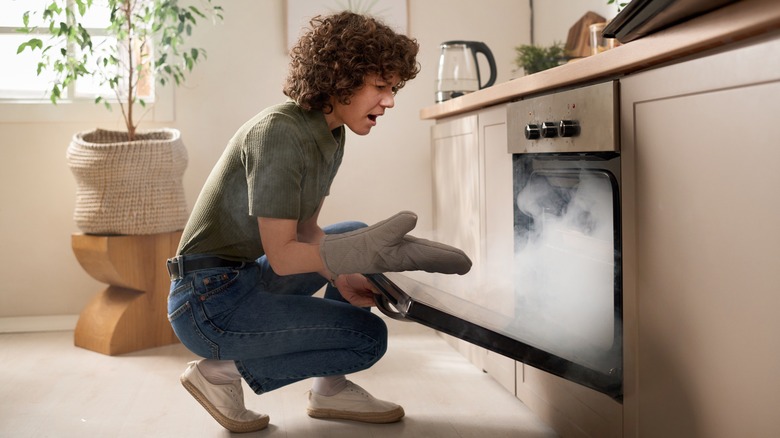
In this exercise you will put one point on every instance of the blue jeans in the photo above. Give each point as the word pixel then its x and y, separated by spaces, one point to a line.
pixel 271 325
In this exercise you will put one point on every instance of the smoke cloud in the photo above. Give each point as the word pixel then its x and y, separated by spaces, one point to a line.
pixel 564 264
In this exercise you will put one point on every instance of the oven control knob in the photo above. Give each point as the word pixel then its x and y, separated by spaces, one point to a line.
pixel 531 131
pixel 568 128
pixel 549 130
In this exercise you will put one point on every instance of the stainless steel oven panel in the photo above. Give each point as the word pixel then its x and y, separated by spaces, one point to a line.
pixel 590 112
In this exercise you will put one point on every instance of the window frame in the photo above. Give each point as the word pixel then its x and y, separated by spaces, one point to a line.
pixel 77 108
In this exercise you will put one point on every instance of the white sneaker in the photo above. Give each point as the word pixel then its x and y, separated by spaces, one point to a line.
pixel 354 403
pixel 224 402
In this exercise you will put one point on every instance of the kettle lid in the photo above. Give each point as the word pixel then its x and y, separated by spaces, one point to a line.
pixel 457 43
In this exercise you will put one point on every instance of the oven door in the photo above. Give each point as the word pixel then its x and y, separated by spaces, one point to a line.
pixel 407 299
pixel 566 316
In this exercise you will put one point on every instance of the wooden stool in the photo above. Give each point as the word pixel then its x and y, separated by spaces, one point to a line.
pixel 131 313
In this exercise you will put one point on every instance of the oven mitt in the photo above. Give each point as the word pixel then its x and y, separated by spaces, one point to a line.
pixel 385 247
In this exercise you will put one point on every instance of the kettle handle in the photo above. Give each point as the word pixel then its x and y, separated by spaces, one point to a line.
pixel 480 47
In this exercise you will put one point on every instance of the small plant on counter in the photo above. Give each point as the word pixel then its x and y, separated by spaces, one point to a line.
pixel 534 59
pixel 620 4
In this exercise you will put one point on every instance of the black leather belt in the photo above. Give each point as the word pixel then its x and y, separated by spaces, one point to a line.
pixel 180 266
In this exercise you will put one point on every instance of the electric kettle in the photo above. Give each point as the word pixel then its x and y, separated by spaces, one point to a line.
pixel 459 69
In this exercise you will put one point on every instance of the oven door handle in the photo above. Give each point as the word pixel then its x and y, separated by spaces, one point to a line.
pixel 384 306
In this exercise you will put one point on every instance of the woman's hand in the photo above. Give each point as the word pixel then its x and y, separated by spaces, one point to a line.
pixel 356 289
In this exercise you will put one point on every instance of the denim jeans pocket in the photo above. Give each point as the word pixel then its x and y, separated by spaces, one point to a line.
pixel 212 282
pixel 186 329
pixel 219 293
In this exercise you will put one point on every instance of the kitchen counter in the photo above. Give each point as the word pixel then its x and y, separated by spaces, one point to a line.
pixel 686 95
pixel 724 26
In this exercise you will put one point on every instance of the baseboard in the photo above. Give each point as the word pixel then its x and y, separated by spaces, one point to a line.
pixel 25 324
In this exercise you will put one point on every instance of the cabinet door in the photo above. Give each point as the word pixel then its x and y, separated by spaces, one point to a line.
pixel 456 199
pixel 473 211
pixel 702 254
pixel 497 243
pixel 456 209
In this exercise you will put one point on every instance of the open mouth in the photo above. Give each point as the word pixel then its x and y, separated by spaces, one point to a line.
pixel 372 117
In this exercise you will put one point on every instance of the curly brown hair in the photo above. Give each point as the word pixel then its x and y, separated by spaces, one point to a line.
pixel 338 51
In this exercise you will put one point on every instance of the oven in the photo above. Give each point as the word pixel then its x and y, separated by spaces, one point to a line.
pixel 565 312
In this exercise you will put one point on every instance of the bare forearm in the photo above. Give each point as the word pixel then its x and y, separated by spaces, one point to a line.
pixel 297 258
pixel 292 248
pixel 310 233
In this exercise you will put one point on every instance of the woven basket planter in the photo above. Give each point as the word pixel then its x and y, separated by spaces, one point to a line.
pixel 128 187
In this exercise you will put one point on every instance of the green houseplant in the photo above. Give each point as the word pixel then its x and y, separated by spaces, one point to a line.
pixel 620 4
pixel 128 182
pixel 534 58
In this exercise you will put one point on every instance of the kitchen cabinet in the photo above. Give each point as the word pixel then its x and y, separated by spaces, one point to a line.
pixel 456 186
pixel 497 243
pixel 472 210
pixel 456 215
pixel 701 250
pixel 702 246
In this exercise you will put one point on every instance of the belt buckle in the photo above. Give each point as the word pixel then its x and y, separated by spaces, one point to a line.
pixel 179 262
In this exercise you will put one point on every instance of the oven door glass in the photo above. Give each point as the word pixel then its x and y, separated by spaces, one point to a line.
pixel 567 310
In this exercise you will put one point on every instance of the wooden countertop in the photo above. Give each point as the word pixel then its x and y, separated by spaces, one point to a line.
pixel 727 25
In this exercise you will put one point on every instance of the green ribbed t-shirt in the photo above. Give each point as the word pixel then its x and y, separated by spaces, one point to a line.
pixel 279 164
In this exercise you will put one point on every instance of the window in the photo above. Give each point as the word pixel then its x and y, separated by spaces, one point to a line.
pixel 21 87
pixel 18 79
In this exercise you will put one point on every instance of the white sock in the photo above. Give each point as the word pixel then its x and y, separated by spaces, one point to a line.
pixel 329 386
pixel 219 372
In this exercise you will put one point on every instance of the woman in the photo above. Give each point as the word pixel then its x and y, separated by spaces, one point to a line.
pixel 252 254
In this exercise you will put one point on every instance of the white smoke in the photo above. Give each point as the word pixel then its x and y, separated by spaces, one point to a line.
pixel 564 273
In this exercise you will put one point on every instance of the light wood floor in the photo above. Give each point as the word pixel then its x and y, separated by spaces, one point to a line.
pixel 49 388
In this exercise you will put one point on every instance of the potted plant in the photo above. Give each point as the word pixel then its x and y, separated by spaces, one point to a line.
pixel 128 182
pixel 534 59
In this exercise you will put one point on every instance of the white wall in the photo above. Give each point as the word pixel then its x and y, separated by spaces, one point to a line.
pixel 554 18
pixel 382 173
